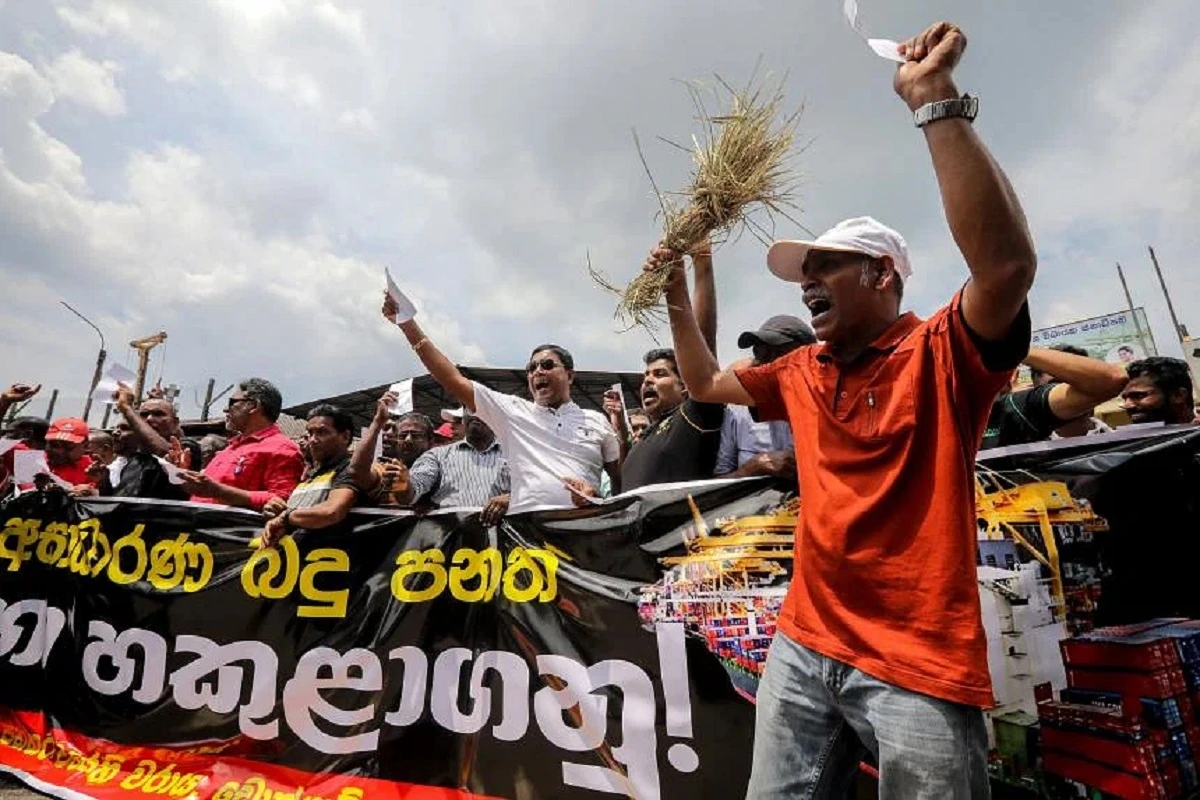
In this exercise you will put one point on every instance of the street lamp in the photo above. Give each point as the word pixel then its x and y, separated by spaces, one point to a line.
pixel 87 406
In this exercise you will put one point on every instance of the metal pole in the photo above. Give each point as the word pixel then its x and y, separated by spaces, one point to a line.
pixel 107 411
pixel 1132 312
pixel 53 402
pixel 208 398
pixel 1170 305
pixel 87 406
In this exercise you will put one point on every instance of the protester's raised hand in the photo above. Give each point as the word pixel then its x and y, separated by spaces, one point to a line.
pixel 615 409
pixel 389 308
pixel 19 392
pixel 123 397
pixel 662 258
pixel 179 455
pixel 383 409
pixel 932 56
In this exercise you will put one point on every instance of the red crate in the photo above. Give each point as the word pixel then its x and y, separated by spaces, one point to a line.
pixel 1138 657
pixel 1159 685
pixel 1139 757
pixel 1162 785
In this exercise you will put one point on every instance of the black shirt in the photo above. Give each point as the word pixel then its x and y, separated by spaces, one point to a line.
pixel 142 476
pixel 682 446
pixel 319 481
pixel 1020 418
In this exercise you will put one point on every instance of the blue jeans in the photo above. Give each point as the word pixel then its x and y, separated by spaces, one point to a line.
pixel 817 717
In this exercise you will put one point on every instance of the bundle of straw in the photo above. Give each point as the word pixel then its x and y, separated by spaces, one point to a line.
pixel 742 164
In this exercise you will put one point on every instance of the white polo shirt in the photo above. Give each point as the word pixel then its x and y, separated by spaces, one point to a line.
pixel 544 445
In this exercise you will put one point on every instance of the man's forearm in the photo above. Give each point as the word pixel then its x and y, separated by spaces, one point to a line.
pixel 697 365
pixel 364 457
pixel 982 210
pixel 704 307
pixel 1089 375
pixel 232 496
pixel 149 437
pixel 323 515
pixel 443 370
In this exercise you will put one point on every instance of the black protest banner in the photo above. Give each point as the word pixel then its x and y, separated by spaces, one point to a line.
pixel 146 650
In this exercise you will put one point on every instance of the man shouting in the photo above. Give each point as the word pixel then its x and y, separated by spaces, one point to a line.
pixel 881 646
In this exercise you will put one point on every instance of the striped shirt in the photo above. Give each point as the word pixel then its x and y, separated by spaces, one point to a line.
pixel 459 476
pixel 320 480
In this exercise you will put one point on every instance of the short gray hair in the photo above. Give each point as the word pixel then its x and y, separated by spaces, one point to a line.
pixel 263 392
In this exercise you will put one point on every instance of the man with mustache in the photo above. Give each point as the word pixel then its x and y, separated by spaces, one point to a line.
pixel 880 643
pixel 555 449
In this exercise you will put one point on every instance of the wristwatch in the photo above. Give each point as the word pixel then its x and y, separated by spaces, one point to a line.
pixel 287 521
pixel 966 107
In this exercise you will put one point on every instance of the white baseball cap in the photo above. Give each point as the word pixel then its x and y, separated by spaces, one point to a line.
pixel 855 235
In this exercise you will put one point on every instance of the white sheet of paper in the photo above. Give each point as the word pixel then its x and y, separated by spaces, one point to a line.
pixel 378 443
pixel 28 464
pixel 405 309
pixel 8 444
pixel 404 400
pixel 884 48
pixel 171 470
pixel 620 390
pixel 107 384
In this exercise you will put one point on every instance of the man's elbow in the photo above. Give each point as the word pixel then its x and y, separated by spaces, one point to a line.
pixel 703 391
pixel 1118 377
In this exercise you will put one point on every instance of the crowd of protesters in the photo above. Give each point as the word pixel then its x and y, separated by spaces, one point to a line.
pixel 863 411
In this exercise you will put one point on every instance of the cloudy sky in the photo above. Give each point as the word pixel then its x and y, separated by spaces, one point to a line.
pixel 237 172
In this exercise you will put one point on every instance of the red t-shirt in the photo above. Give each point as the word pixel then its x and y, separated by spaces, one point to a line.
pixel 886 541
pixel 263 463
pixel 73 474
pixel 76 473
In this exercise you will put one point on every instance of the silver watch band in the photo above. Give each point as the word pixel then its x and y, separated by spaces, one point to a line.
pixel 966 107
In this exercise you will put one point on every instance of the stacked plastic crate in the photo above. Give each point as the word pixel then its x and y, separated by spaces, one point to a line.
pixel 1127 723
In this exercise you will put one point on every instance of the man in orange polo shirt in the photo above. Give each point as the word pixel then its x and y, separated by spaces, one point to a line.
pixel 880 646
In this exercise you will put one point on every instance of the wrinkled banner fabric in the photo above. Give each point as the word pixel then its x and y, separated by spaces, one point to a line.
pixel 606 651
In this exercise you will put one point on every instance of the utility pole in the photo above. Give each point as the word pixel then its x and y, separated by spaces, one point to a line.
pixel 87 404
pixel 208 401
pixel 1133 313
pixel 208 398
pixel 143 347
pixel 53 402
pixel 1180 331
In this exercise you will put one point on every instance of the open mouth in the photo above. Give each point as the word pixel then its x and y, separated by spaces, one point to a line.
pixel 541 384
pixel 649 397
pixel 818 307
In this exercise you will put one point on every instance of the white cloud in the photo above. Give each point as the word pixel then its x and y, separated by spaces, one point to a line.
pixel 91 84
pixel 272 155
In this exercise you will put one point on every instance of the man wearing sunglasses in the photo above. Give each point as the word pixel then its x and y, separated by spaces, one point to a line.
pixel 260 463
pixel 555 449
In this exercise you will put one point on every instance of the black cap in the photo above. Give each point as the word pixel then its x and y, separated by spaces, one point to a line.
pixel 779 330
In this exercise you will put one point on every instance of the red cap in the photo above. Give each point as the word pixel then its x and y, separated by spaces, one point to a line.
pixel 68 429
pixel 445 431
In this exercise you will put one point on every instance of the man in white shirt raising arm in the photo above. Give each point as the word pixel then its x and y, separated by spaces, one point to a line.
pixel 555 449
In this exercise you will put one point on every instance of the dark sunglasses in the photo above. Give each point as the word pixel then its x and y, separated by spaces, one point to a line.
pixel 411 435
pixel 235 400
pixel 546 365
